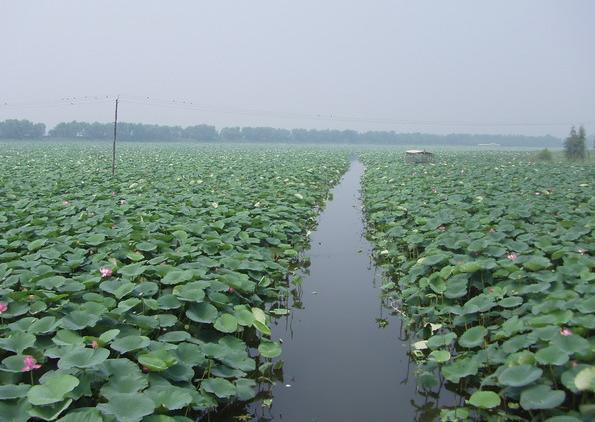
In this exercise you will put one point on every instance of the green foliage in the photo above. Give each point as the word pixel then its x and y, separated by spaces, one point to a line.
pixel 575 145
pixel 544 155
pixel 495 251
pixel 145 293
pixel 139 132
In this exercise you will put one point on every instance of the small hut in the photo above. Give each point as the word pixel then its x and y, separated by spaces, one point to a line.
pixel 418 156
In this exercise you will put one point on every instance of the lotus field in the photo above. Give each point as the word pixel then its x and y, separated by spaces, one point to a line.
pixel 146 296
pixel 489 259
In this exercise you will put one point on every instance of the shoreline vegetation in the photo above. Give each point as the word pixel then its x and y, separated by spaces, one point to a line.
pixel 138 132
pixel 489 263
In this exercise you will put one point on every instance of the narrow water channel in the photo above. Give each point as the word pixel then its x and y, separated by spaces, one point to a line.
pixel 339 364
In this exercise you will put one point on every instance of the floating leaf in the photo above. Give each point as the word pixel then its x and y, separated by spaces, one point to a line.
pixel 517 376
pixel 541 397
pixel 219 386
pixel 484 399
pixel 269 349
pixel 473 337
pixel 53 389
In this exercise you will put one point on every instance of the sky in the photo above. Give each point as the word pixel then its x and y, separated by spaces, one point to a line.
pixel 434 66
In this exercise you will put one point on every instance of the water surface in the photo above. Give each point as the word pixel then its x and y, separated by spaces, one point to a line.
pixel 339 365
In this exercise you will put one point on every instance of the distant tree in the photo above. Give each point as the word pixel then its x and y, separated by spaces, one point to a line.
pixel 201 133
pixel 544 155
pixel 231 134
pixel 574 145
pixel 21 129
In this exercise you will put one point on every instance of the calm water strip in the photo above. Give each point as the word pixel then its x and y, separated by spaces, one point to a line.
pixel 339 364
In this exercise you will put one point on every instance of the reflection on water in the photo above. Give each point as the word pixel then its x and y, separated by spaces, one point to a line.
pixel 345 353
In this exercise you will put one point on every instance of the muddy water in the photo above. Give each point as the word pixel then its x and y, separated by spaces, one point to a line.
pixel 340 365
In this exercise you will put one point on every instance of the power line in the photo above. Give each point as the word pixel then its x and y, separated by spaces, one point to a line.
pixel 190 105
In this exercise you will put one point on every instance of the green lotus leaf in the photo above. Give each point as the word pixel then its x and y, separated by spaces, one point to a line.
pixel 226 323
pixel 441 340
pixel 518 376
pixel 15 410
pixel 132 270
pixel 158 360
pixel 83 414
pixel 53 389
pixel 541 397
pixel 175 337
pixel 202 312
pixel 571 344
pixel 511 302
pixel 551 355
pixel 473 337
pixel 245 389
pixel 461 368
pixel 94 239
pixel 219 386
pixel 439 356
pixel 177 277
pixel 146 246
pixel 269 349
pixel 190 292
pixel 81 357
pixel 67 338
pixel 12 391
pixel 17 342
pixel 109 335
pixel 244 315
pixel 585 379
pixel 131 407
pixel 51 411
pixel 129 343
pixel 484 399
pixel 564 418
pixel 536 263
pixel 169 396
pixel 44 325
pixel 190 354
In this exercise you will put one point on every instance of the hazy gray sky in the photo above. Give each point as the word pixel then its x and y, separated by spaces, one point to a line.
pixel 431 66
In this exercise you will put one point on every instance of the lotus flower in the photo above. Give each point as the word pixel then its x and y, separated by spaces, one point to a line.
pixel 94 344
pixel 66 202
pixel 565 332
pixel 512 256
pixel 105 272
pixel 3 307
pixel 30 364
pixel 231 290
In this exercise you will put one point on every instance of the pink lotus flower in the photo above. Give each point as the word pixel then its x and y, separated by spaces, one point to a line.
pixel 94 344
pixel 66 202
pixel 105 272
pixel 565 332
pixel 3 307
pixel 231 290
pixel 30 364
pixel 512 256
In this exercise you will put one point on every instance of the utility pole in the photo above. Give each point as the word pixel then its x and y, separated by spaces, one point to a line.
pixel 115 135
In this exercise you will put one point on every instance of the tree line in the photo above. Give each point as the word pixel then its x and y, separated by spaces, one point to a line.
pixel 21 129
pixel 575 145
pixel 139 132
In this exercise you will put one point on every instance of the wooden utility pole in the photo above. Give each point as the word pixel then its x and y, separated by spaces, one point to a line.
pixel 115 136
